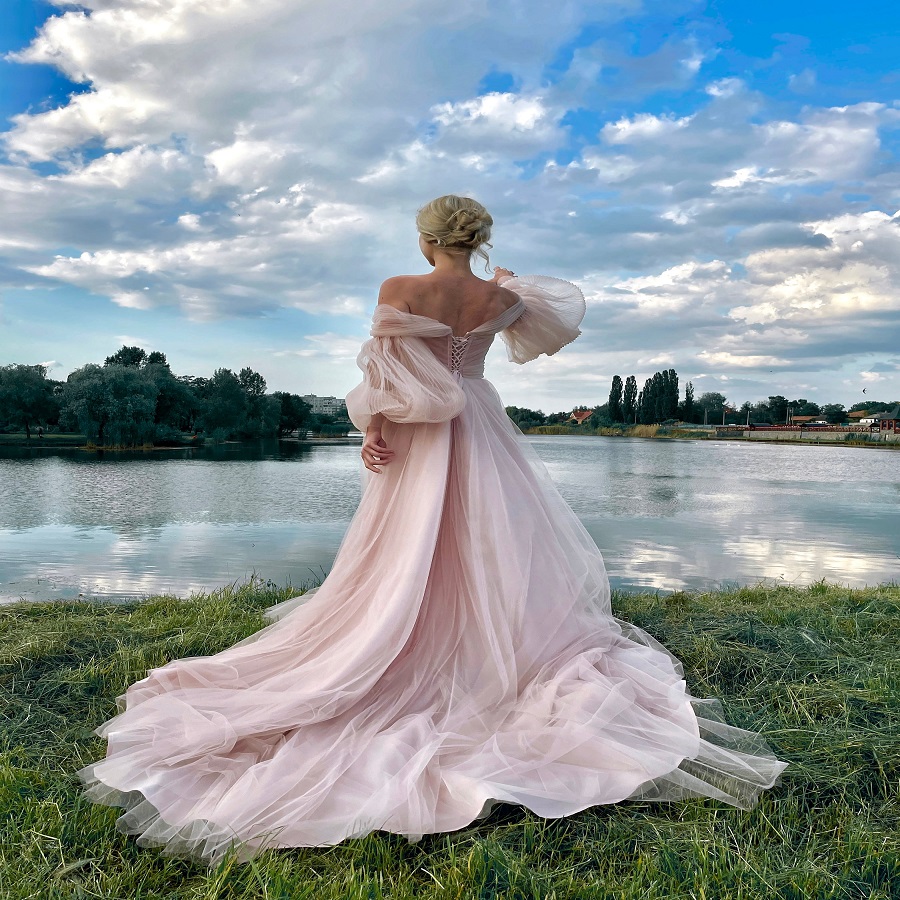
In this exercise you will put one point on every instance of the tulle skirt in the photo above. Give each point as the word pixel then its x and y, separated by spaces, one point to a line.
pixel 462 651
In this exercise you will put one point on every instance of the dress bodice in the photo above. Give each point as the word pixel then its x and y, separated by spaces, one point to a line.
pixel 415 368
pixel 463 355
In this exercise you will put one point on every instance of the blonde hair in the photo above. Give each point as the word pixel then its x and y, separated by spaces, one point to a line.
pixel 456 223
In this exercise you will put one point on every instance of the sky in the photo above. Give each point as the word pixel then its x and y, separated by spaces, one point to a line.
pixel 229 182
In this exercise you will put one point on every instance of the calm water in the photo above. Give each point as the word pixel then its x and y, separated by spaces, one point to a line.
pixel 667 515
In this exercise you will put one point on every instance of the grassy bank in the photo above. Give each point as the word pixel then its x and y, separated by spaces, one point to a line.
pixel 645 431
pixel 816 670
pixel 20 439
pixel 80 442
pixel 674 433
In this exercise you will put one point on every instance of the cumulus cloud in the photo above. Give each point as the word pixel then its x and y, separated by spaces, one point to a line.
pixel 855 274
pixel 237 159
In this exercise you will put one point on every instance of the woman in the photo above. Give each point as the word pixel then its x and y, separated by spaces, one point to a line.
pixel 462 650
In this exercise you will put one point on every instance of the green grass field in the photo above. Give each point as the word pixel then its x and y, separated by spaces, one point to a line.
pixel 817 670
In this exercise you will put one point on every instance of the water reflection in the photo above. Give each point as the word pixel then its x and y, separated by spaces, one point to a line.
pixel 667 515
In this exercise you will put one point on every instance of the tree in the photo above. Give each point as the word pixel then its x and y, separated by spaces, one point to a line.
pixel 225 410
pixel 834 413
pixel 253 383
pixel 712 405
pixel 113 405
pixel 174 397
pixel 615 400
pixel 659 398
pixel 198 389
pixel 688 411
pixel 871 406
pixel 629 399
pixel 127 356
pixel 295 413
pixel 804 407
pixel 778 410
pixel 672 394
pixel 157 359
pixel 26 396
pixel 526 418
pixel 263 413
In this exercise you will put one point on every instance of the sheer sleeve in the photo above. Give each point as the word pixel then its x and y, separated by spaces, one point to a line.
pixel 553 311
pixel 405 381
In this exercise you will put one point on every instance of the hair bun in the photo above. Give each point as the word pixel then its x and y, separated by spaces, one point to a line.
pixel 456 222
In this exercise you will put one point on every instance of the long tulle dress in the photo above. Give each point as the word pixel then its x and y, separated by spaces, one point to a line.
pixel 461 651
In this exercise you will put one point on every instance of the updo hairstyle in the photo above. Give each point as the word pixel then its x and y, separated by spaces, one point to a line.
pixel 456 223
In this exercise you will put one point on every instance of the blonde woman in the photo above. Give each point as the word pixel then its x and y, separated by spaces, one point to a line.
pixel 462 650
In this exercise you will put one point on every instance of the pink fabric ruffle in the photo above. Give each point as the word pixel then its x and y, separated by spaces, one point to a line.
pixel 553 311
pixel 403 379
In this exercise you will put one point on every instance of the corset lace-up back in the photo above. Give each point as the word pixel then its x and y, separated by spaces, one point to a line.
pixel 457 352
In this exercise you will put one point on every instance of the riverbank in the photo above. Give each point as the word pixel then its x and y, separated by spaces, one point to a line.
pixel 79 442
pixel 643 431
pixel 671 432
pixel 816 670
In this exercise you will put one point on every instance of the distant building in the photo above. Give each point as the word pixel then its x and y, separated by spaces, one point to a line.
pixel 889 420
pixel 330 406
pixel 858 416
pixel 580 416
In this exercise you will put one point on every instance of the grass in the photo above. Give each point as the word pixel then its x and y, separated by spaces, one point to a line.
pixel 816 669
pixel 646 431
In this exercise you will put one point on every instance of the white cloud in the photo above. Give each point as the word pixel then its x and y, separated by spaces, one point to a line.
pixel 724 359
pixel 725 87
pixel 677 289
pixel 857 273
pixel 643 127
pixel 236 158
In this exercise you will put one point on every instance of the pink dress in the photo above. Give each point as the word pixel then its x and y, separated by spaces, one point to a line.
pixel 461 651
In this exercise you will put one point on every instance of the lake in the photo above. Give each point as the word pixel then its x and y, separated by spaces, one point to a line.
pixel 667 515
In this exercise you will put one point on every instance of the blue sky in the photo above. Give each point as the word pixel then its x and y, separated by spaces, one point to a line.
pixel 231 184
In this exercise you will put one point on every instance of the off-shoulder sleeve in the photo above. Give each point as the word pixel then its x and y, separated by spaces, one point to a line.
pixel 553 311
pixel 405 381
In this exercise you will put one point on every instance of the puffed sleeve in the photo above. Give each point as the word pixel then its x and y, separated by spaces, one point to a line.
pixel 405 381
pixel 553 311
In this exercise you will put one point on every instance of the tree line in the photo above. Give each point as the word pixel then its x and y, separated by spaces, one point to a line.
pixel 134 398
pixel 660 402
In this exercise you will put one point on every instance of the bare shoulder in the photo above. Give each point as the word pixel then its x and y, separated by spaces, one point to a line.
pixel 396 291
pixel 507 297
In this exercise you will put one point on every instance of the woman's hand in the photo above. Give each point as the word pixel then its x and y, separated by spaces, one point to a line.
pixel 502 273
pixel 375 450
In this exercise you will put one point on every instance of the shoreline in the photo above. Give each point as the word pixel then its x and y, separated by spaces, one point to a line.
pixel 77 442
pixel 659 432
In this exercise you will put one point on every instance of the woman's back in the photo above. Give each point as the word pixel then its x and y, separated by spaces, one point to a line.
pixel 462 302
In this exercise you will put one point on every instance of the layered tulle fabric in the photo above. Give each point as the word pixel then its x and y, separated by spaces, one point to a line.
pixel 461 651
pixel 403 379
pixel 553 311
